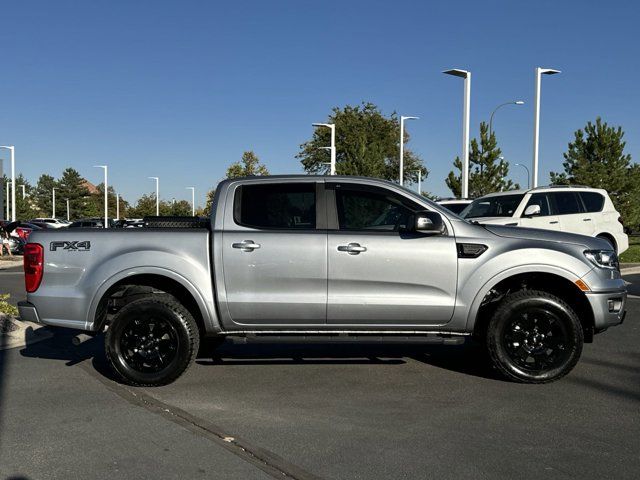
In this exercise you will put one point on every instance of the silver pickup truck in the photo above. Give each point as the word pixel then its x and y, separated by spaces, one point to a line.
pixel 337 258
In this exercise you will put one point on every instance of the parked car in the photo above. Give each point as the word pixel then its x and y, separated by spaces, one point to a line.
pixel 16 245
pixel 327 257
pixel 455 205
pixel 54 222
pixel 582 210
pixel 87 223
pixel 21 229
pixel 43 225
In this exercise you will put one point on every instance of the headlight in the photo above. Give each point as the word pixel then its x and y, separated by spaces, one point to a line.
pixel 603 258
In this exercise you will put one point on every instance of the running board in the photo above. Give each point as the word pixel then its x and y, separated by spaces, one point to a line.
pixel 349 336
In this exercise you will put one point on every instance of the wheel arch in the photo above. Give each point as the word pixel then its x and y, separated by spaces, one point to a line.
pixel 153 279
pixel 607 236
pixel 562 286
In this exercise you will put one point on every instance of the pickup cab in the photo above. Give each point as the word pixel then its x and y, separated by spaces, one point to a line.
pixel 335 258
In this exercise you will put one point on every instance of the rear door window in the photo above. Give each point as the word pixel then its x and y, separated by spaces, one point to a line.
pixel 593 201
pixel 567 203
pixel 289 206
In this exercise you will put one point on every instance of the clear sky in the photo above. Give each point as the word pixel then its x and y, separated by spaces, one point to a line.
pixel 180 89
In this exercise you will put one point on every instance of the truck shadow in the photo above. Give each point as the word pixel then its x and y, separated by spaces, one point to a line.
pixel 467 359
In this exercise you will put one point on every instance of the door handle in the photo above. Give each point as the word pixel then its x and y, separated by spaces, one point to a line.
pixel 352 248
pixel 586 219
pixel 246 245
pixel 556 221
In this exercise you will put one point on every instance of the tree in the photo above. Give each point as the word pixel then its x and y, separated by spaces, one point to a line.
pixel 72 186
pixel 596 159
pixel 42 196
pixel 145 207
pixel 24 207
pixel 487 171
pixel 367 143
pixel 249 166
pixel 207 208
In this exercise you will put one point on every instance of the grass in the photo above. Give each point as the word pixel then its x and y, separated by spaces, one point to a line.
pixel 632 255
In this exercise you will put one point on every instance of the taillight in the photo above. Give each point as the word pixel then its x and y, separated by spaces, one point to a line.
pixel 33 266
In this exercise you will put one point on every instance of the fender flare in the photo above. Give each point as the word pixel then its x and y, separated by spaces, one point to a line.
pixel 472 314
pixel 209 316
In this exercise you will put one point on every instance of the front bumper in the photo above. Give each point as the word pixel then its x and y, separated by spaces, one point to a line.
pixel 608 308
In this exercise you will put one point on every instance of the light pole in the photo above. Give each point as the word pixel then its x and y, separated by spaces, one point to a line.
pixel 67 209
pixel 516 102
pixel 332 148
pixel 193 200
pixel 157 194
pixel 106 195
pixel 527 169
pixel 117 206
pixel 402 120
pixel 419 181
pixel 465 126
pixel 23 192
pixel 53 201
pixel 12 151
pixel 536 119
pixel 8 183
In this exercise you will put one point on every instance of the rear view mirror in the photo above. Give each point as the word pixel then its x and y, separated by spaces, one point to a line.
pixel 532 210
pixel 428 222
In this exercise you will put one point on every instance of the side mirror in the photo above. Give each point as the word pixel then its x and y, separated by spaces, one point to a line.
pixel 428 222
pixel 532 210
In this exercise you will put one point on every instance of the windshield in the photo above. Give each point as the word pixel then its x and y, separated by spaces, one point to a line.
pixel 497 206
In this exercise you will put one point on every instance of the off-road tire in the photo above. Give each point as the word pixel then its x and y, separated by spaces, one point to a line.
pixel 147 313
pixel 504 332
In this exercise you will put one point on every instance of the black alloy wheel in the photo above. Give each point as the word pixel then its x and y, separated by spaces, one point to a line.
pixel 534 337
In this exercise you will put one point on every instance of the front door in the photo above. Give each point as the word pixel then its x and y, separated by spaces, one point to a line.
pixel 275 255
pixel 546 219
pixel 380 273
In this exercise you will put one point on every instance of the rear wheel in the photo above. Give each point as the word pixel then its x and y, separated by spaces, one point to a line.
pixel 152 341
pixel 534 337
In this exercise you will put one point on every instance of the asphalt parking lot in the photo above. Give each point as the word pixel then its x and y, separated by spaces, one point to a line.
pixel 322 411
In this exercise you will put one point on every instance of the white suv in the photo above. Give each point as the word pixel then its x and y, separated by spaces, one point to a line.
pixel 583 210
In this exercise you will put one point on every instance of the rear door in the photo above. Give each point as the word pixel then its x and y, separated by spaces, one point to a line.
pixel 275 255
pixel 573 218
pixel 379 273
pixel 546 220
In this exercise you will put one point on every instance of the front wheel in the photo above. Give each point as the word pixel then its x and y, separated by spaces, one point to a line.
pixel 152 341
pixel 534 337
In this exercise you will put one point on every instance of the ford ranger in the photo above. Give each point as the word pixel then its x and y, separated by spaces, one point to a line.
pixel 312 257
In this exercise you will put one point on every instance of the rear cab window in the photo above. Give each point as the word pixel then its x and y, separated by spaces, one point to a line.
pixel 276 206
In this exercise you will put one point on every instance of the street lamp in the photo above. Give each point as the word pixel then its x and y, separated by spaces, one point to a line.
pixel 465 126
pixel 419 181
pixel 23 192
pixel 527 169
pixel 12 151
pixel 516 102
pixel 402 120
pixel 53 201
pixel 536 119
pixel 193 200
pixel 332 148
pixel 117 206
pixel 157 195
pixel 106 195
pixel 67 209
pixel 8 183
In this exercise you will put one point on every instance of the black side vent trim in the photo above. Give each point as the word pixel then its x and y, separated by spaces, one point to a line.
pixel 470 250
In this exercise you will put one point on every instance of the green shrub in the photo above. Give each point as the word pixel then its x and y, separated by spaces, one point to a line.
pixel 6 307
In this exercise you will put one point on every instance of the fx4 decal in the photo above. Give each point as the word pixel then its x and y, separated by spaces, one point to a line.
pixel 73 246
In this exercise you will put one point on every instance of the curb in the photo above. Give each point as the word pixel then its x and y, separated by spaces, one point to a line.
pixel 6 264
pixel 630 270
pixel 27 333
